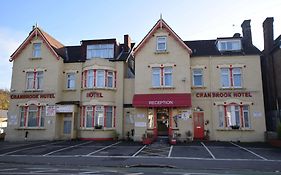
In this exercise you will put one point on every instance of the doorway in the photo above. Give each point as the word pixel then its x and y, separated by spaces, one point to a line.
pixel 67 124
pixel 162 121
pixel 198 120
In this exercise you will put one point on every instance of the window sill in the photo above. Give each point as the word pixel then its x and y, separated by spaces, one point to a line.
pixel 230 129
pixel 163 87
pixel 67 90
pixel 33 90
pixel 233 88
pixel 93 129
pixel 97 88
pixel 35 58
pixel 161 52
pixel 198 87
pixel 31 128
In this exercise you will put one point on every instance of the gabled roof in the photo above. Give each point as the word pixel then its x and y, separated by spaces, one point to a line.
pixel 161 24
pixel 54 45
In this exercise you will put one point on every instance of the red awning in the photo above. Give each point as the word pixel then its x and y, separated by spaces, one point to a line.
pixel 162 100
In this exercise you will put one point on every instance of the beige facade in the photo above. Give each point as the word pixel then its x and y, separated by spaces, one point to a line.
pixel 165 87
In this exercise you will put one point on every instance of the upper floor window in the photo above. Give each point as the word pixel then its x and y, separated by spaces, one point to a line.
pixel 234 116
pixel 162 77
pixel 161 43
pixel 32 116
pixel 70 80
pixel 34 80
pixel 229 45
pixel 100 51
pixel 36 53
pixel 231 77
pixel 99 78
pixel 197 77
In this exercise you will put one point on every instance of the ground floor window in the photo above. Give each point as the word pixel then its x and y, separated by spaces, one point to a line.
pixel 32 116
pixel 234 116
pixel 97 116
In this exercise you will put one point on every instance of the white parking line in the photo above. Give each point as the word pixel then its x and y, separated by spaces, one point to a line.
pixel 139 151
pixel 248 151
pixel 11 152
pixel 67 148
pixel 170 152
pixel 103 148
pixel 208 150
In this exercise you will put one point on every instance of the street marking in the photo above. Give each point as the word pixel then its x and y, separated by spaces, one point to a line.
pixel 139 151
pixel 103 148
pixel 208 150
pixel 67 148
pixel 11 152
pixel 248 151
pixel 170 152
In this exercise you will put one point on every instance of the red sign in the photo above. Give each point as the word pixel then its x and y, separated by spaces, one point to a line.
pixel 24 96
pixel 222 94
pixel 162 100
pixel 94 95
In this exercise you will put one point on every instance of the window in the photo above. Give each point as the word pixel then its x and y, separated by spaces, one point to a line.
pixel 90 79
pixel 229 45
pixel 108 116
pixel 231 77
pixel 32 116
pixel 156 77
pixel 100 78
pixel 70 81
pixel 150 121
pixel 161 43
pixel 34 80
pixel 110 79
pixel 234 116
pixel 98 116
pixel 36 50
pixel 162 77
pixel 197 77
pixel 100 51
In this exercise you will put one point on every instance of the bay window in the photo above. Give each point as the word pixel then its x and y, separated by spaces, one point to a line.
pixel 89 116
pixel 90 79
pixel 162 77
pixel 231 77
pixel 110 79
pixel 99 78
pixel 32 116
pixel 34 80
pixel 233 116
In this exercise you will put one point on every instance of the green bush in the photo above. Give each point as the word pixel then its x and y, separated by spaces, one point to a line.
pixel 279 130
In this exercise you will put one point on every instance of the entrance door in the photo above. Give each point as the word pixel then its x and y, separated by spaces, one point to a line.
pixel 67 123
pixel 198 120
pixel 162 121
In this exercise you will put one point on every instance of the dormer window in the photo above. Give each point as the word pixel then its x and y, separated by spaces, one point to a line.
pixel 229 45
pixel 100 51
pixel 36 53
pixel 161 43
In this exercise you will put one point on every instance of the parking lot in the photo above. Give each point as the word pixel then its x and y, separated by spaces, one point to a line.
pixel 121 149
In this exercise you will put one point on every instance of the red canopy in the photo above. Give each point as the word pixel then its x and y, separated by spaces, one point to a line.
pixel 162 100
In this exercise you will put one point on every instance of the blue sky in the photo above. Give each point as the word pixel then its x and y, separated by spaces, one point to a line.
pixel 71 21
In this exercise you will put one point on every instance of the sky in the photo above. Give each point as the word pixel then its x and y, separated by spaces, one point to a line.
pixel 70 21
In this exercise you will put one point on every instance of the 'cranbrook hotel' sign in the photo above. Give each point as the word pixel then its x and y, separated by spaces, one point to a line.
pixel 222 94
pixel 25 96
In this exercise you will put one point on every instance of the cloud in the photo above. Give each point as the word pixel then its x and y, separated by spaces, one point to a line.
pixel 9 42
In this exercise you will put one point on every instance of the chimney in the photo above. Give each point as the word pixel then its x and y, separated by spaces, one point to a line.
pixel 268 34
pixel 247 33
pixel 127 43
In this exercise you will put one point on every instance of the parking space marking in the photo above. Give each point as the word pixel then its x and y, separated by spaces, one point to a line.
pixel 103 148
pixel 134 155
pixel 208 150
pixel 170 152
pixel 11 152
pixel 67 148
pixel 249 151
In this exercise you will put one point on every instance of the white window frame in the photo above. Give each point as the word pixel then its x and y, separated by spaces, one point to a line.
pixel 70 80
pixel 100 78
pixel 89 111
pixel 167 71
pixel 37 49
pixel 90 78
pixel 154 69
pixel 161 40
pixel 99 119
pixel 100 51
pixel 36 80
pixel 231 73
pixel 195 74
pixel 229 45
pixel 110 75
pixel 237 73
pixel 25 116
pixel 112 117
